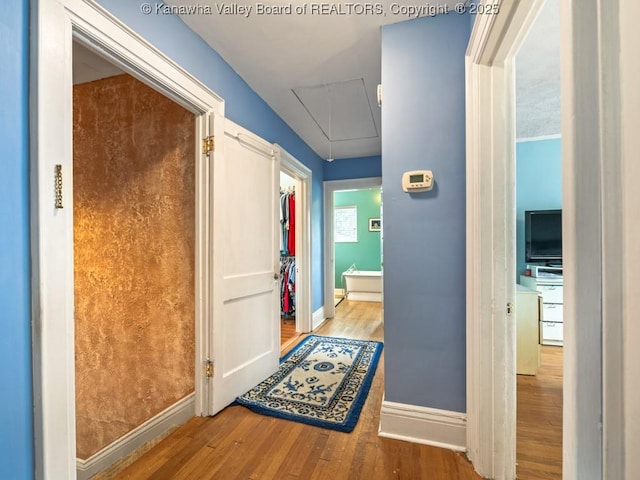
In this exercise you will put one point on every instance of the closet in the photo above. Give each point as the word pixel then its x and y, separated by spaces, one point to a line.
pixel 295 258
pixel 134 225
pixel 287 254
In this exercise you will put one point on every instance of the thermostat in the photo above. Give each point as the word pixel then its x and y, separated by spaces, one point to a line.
pixel 417 181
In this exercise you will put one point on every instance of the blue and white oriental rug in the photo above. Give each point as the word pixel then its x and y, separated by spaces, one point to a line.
pixel 324 382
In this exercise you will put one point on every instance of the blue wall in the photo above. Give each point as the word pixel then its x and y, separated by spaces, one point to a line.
pixel 538 185
pixel 423 120
pixel 348 168
pixel 242 105
pixel 16 421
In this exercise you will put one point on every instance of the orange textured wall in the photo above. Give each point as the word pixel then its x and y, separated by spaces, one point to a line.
pixel 134 230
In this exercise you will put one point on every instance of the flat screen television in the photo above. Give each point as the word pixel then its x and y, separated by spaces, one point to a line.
pixel 543 236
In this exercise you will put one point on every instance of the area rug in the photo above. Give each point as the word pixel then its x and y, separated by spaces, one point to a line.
pixel 324 382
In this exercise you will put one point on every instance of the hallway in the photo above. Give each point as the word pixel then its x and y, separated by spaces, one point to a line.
pixel 239 444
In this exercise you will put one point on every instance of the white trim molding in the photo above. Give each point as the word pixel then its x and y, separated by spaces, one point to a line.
pixel 365 296
pixel 318 318
pixel 622 440
pixel 303 178
pixel 581 204
pixel 429 426
pixel 174 416
pixel 490 227
pixel 539 138
pixel 600 119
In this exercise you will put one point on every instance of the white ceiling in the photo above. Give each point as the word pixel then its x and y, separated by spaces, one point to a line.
pixel 538 76
pixel 88 66
pixel 320 72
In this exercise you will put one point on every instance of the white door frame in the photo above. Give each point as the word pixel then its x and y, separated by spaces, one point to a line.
pixel 330 187
pixel 600 199
pixel 490 137
pixel 621 355
pixel 593 238
pixel 54 25
pixel 303 176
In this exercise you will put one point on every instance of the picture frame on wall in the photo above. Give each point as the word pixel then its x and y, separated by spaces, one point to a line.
pixel 375 225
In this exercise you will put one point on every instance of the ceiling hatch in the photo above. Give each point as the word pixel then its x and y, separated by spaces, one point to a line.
pixel 341 110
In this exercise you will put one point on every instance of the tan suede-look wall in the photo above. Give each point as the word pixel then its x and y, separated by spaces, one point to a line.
pixel 134 230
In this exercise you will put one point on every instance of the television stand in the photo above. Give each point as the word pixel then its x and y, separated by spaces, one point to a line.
pixel 539 271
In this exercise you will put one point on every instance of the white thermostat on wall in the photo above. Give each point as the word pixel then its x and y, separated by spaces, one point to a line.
pixel 417 181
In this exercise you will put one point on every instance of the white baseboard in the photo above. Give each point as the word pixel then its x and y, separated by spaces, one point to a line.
pixel 365 296
pixel 317 318
pixel 175 415
pixel 430 426
pixel 339 292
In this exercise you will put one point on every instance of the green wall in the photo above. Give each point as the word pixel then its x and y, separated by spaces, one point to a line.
pixel 365 253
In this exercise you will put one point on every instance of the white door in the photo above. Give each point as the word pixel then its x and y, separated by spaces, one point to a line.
pixel 245 261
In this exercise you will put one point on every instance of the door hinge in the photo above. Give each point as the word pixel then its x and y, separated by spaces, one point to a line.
pixel 208 145
pixel 208 368
pixel 509 308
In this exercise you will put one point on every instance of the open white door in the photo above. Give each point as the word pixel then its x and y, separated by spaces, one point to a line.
pixel 245 265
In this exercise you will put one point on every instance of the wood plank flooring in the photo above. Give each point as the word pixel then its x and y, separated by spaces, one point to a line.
pixel 287 331
pixel 539 420
pixel 239 444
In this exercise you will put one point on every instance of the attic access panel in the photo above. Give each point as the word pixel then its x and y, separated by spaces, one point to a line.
pixel 341 110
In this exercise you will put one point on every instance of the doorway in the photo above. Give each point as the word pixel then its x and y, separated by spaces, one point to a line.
pixel 134 255
pixel 490 230
pixel 358 244
pixel 299 180
pixel 331 267
pixel 295 248
pixel 52 222
pixel 288 268
pixel 538 202
pixel 490 140
pixel 134 258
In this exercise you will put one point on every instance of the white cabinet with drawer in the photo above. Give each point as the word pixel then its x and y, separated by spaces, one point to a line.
pixel 552 319
pixel 551 312
pixel 551 293
pixel 551 333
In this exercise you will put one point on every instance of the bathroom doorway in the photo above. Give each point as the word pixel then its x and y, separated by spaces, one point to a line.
pixel 353 239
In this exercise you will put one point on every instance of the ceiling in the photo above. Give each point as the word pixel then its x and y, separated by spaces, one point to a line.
pixel 320 72
pixel 88 66
pixel 538 76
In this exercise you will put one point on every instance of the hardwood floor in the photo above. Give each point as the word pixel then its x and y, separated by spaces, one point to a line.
pixel 288 332
pixel 539 419
pixel 239 444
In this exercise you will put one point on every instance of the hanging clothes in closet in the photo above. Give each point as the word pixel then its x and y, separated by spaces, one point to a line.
pixel 288 222
pixel 287 286
pixel 287 253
